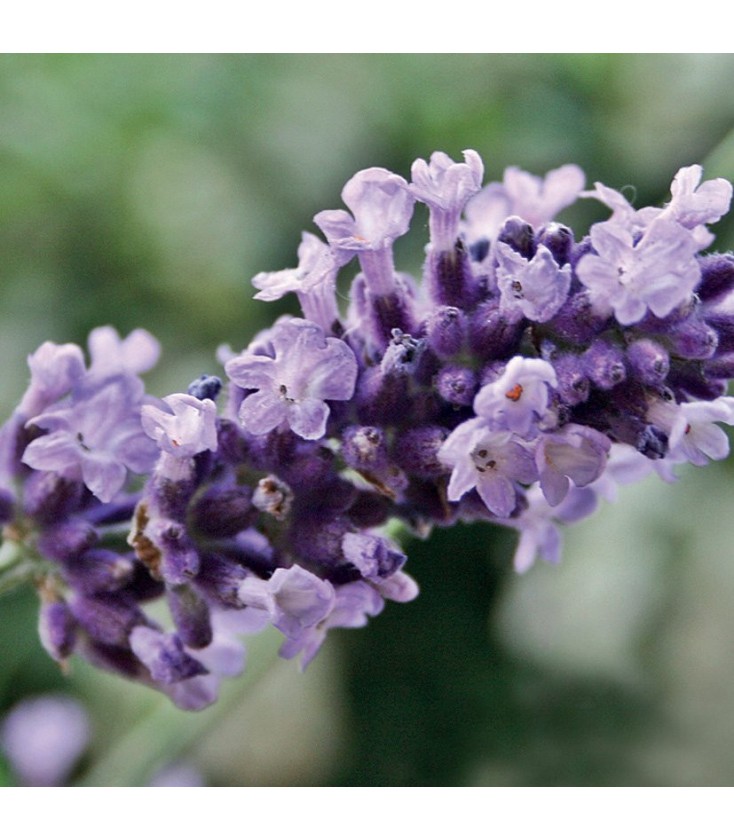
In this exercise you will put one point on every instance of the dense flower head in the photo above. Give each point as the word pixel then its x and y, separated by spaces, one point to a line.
pixel 526 376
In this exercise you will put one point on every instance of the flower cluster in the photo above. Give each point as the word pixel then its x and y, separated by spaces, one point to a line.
pixel 525 377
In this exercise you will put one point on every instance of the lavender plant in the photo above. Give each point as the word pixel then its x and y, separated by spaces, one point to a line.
pixel 528 375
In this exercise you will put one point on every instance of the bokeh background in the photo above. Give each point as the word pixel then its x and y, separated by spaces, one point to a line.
pixel 146 191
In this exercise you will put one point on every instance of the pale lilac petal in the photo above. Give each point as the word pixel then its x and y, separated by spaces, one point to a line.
pixel 307 418
pixel 498 494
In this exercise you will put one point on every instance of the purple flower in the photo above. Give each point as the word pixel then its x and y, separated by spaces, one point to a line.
pixel 575 454
pixel 354 603
pixel 303 369
pixel 537 287
pixel 694 203
pixel 96 437
pixel 185 429
pixel 693 435
pixel 294 598
pixel 381 206
pixel 489 461
pixel 534 199
pixel 43 737
pixel 445 186
pixel 110 354
pixel 314 281
pixel 658 272
pixel 518 399
pixel 55 370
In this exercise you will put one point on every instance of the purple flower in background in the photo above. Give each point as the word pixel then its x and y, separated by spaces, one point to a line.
pixel 537 288
pixel 137 353
pixel 534 199
pixel 489 461
pixel 97 437
pixel 518 399
pixel 43 738
pixel 658 272
pixel 292 385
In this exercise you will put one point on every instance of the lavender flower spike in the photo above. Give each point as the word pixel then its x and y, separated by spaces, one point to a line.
pixel 292 385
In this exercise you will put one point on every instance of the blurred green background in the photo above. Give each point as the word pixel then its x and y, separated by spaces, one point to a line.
pixel 146 190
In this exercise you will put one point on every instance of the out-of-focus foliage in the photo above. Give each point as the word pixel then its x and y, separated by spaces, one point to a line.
pixel 146 191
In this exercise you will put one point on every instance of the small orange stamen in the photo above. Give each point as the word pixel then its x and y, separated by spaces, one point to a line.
pixel 515 393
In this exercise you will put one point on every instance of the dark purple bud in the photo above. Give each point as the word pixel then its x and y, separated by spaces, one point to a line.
pixel 390 312
pixel 57 629
pixel 573 381
pixel 576 321
pixel 494 334
pixel 648 361
pixel 98 570
pixel 479 249
pixel 446 331
pixel 717 277
pixel 223 511
pixel 604 364
pixel 190 614
pixel 164 656
pixel 220 578
pixel 519 235
pixel 370 510
pixel 558 239
pixel 164 547
pixel 107 618
pixel 416 451
pixel 68 540
pixel 319 540
pixel 232 448
pixel 688 382
pixel 723 324
pixel 49 498
pixel 205 387
pixel 7 506
pixel 457 385
pixel 170 498
pixel 449 277
pixel 652 442
pixel 721 367
pixel 693 339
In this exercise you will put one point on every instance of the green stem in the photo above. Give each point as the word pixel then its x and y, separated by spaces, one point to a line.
pixel 16 567
pixel 165 733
